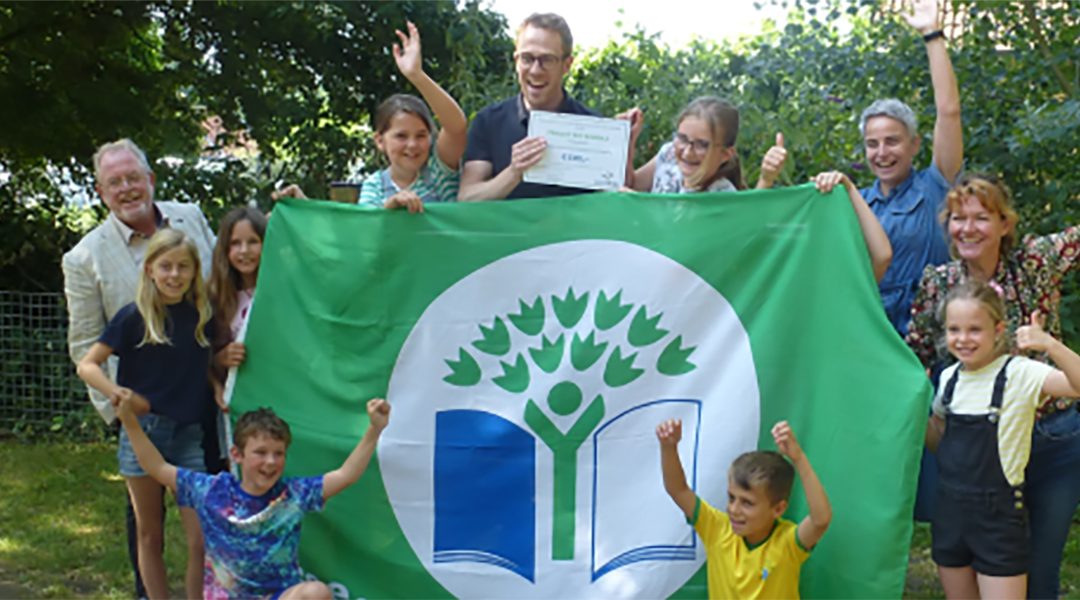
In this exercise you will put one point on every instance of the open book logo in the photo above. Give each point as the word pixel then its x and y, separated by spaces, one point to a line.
pixel 532 388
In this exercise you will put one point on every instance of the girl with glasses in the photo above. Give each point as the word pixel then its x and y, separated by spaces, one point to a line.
pixel 701 156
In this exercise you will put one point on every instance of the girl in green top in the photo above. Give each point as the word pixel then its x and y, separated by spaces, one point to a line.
pixel 405 133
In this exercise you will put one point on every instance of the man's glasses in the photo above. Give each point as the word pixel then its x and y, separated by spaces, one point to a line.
pixel 130 180
pixel 699 146
pixel 546 61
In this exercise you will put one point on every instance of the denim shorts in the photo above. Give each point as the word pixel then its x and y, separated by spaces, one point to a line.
pixel 180 445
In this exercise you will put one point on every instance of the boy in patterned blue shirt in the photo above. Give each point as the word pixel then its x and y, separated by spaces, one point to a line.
pixel 251 527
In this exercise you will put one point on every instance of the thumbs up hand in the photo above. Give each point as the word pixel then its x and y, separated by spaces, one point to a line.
pixel 773 163
pixel 1032 337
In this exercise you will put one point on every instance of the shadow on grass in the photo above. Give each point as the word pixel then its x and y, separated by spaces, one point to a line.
pixel 62 518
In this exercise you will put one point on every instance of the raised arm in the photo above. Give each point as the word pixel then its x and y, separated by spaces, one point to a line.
pixel 150 459
pixel 948 131
pixel 877 242
pixel 454 126
pixel 817 522
pixel 1063 381
pixel 669 433
pixel 354 466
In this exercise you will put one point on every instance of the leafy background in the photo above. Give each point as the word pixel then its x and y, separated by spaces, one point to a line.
pixel 296 84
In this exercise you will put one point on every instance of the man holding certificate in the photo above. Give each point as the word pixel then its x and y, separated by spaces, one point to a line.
pixel 500 148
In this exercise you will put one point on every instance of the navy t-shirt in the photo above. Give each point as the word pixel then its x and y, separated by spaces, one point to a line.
pixel 499 126
pixel 173 377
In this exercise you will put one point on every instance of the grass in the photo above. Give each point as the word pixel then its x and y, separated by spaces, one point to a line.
pixel 62 529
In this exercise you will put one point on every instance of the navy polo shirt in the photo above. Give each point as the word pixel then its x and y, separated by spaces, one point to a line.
pixel 499 126
pixel 174 377
pixel 909 216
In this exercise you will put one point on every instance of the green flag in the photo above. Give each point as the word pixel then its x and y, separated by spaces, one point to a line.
pixel 530 348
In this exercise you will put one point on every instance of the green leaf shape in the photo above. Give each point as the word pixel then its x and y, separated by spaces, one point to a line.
pixel 564 398
pixel 515 377
pixel 549 354
pixel 585 352
pixel 620 371
pixel 569 309
pixel 529 319
pixel 609 312
pixel 464 371
pixel 496 339
pixel 673 361
pixel 643 330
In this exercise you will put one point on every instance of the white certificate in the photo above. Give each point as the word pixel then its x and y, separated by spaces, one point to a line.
pixel 582 151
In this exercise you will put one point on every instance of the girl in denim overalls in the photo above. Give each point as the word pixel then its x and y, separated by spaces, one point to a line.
pixel 981 430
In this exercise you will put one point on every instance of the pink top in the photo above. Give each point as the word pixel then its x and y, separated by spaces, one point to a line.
pixel 243 307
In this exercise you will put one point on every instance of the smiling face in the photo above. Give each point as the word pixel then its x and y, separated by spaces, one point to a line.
pixel 970 333
pixel 261 460
pixel 126 187
pixel 697 149
pixel 541 67
pixel 245 250
pixel 406 143
pixel 890 150
pixel 172 273
pixel 751 512
pixel 977 232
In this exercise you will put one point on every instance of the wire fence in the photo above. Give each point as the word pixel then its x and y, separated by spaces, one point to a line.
pixel 39 390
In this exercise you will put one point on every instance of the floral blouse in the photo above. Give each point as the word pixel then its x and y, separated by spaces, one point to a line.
pixel 1028 278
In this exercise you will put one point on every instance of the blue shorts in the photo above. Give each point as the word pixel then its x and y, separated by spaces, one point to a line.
pixel 180 445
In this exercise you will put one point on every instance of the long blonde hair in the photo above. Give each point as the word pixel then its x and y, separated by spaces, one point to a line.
pixel 148 300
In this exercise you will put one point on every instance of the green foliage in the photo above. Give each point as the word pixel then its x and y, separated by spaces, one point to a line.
pixel 294 84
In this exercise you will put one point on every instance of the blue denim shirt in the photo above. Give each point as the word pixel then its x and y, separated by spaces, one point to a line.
pixel 909 215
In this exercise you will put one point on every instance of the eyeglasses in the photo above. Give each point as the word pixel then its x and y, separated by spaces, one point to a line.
pixel 699 146
pixel 546 61
pixel 130 180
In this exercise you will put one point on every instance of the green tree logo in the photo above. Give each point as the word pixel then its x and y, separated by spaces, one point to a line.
pixel 599 346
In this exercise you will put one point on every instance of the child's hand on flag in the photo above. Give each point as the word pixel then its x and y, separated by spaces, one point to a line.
pixel 669 432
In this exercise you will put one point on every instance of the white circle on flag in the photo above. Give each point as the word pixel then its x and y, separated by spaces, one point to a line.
pixel 481 518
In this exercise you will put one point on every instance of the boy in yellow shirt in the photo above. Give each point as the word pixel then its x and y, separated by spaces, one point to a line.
pixel 751 551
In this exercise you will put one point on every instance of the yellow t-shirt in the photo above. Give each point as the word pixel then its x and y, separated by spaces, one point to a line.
pixel 768 570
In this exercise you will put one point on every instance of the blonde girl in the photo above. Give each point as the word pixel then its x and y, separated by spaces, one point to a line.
pixel 164 356
pixel 701 157
pixel 984 413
